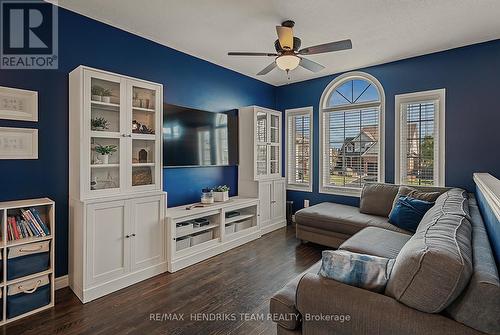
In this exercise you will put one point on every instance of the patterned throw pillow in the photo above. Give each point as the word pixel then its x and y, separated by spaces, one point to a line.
pixel 415 194
pixel 408 213
pixel 364 271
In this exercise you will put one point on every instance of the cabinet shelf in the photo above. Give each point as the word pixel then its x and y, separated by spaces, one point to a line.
pixel 104 134
pixel 148 137
pixel 142 164
pixel 105 105
pixel 144 109
pixel 104 166
pixel 198 230
pixel 238 218
pixel 27 240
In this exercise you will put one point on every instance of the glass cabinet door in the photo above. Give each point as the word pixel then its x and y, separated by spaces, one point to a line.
pixel 261 127
pixel 274 153
pixel 274 129
pixel 105 126
pixel 145 134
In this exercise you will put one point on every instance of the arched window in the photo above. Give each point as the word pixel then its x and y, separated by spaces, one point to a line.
pixel 351 134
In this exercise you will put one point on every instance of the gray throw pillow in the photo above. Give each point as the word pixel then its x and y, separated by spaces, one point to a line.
pixel 377 198
pixel 406 191
pixel 364 271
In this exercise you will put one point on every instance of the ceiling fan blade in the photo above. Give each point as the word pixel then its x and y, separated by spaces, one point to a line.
pixel 310 65
pixel 251 54
pixel 327 47
pixel 285 36
pixel 267 69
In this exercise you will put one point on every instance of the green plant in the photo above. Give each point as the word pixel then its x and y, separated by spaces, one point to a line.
pixel 105 149
pixel 99 122
pixel 106 93
pixel 221 188
pixel 96 90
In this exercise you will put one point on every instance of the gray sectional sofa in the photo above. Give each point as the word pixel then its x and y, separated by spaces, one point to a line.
pixel 444 280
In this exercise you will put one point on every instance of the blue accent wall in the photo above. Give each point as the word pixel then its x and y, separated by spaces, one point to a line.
pixel 471 76
pixel 490 222
pixel 188 81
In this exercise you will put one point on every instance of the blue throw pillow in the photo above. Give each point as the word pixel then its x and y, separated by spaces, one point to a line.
pixel 408 212
pixel 365 271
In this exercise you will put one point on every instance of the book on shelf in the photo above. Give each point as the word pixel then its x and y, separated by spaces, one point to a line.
pixel 28 224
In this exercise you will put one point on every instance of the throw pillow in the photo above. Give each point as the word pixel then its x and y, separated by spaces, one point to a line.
pixel 364 271
pixel 415 194
pixel 408 213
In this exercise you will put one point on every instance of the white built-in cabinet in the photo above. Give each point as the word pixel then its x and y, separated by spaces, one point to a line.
pixel 260 143
pixel 117 206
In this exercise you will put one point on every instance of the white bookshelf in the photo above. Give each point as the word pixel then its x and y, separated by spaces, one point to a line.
pixel 47 211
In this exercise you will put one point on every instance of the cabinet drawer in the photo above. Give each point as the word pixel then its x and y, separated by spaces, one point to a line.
pixel 27 259
pixel 27 295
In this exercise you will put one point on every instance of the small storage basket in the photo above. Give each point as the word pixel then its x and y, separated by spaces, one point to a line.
pixel 202 237
pixel 182 243
pixel 26 259
pixel 243 225
pixel 230 228
pixel 184 227
pixel 27 296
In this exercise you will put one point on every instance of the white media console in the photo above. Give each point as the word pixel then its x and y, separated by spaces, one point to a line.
pixel 189 242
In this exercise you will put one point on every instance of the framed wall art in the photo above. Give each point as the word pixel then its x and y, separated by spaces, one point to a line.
pixel 18 143
pixel 17 104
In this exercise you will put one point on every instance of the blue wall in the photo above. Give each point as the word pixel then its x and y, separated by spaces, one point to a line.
pixel 187 81
pixel 471 76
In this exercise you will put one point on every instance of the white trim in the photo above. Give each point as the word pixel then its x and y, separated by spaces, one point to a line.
pixel 294 112
pixel 399 99
pixel 490 188
pixel 61 282
pixel 346 191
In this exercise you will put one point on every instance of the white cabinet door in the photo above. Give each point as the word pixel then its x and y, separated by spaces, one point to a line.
pixel 278 199
pixel 148 232
pixel 108 246
pixel 265 192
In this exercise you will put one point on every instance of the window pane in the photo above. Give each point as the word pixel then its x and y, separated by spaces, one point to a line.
pixel 352 92
pixel 353 150
pixel 299 165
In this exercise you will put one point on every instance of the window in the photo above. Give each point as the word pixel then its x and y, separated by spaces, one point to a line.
pixel 351 134
pixel 299 148
pixel 420 138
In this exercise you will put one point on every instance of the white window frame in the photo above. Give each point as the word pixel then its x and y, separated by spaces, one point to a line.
pixel 292 113
pixel 351 191
pixel 439 131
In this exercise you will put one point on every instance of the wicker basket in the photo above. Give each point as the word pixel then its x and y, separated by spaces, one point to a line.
pixel 142 176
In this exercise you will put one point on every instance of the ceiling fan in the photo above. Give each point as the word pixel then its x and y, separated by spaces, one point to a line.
pixel 288 56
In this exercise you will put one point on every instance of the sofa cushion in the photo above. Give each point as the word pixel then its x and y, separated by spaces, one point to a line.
pixel 408 212
pixel 377 242
pixel 282 305
pixel 430 196
pixel 377 198
pixel 340 218
pixel 435 265
pixel 360 270
pixel 479 304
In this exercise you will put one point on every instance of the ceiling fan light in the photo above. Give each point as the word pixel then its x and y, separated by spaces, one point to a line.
pixel 287 62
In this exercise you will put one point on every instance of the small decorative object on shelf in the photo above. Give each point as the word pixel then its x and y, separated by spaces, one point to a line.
pixel 221 193
pixel 141 176
pixel 143 156
pixel 96 92
pixel 99 124
pixel 106 96
pixel 138 128
pixel 104 152
pixel 207 196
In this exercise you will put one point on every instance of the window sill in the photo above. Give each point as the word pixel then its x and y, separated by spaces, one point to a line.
pixel 343 191
pixel 300 188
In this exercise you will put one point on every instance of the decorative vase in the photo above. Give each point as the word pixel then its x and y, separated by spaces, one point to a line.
pixel 106 99
pixel 96 97
pixel 104 159
pixel 221 196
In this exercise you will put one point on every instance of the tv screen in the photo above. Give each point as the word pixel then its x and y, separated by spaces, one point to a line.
pixel 193 137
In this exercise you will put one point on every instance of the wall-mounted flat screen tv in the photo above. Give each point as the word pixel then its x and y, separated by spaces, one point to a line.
pixel 194 137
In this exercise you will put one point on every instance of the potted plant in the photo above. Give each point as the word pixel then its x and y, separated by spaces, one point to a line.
pixel 99 124
pixel 221 193
pixel 96 92
pixel 104 151
pixel 106 95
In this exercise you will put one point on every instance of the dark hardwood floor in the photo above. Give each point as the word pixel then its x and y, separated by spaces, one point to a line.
pixel 239 281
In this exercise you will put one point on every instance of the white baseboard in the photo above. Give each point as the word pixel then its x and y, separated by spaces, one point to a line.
pixel 62 282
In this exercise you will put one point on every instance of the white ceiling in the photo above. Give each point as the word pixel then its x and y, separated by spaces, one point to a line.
pixel 381 30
